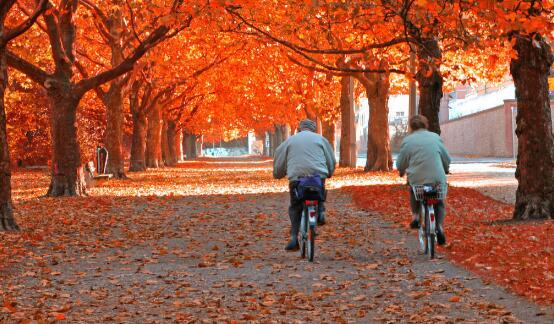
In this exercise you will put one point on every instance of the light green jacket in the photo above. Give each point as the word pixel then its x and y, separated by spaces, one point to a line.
pixel 304 154
pixel 423 158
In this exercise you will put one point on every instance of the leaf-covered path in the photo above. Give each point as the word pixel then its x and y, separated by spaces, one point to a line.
pixel 204 242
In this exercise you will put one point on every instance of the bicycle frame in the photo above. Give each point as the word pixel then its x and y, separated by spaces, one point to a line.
pixel 428 196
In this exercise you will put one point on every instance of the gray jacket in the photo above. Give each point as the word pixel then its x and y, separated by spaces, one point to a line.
pixel 423 158
pixel 304 154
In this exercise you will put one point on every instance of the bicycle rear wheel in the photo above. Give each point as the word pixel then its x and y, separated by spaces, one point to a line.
pixel 421 231
pixel 303 233
pixel 431 235
pixel 431 239
pixel 311 244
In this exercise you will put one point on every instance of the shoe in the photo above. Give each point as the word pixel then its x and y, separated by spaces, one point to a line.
pixel 321 219
pixel 292 246
pixel 414 224
pixel 441 239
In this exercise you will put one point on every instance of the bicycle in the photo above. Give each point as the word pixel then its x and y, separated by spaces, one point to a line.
pixel 308 225
pixel 428 195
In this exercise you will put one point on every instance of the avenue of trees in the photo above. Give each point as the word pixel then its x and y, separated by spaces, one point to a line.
pixel 75 74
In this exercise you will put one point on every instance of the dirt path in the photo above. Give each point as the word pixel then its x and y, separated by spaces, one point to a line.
pixel 220 257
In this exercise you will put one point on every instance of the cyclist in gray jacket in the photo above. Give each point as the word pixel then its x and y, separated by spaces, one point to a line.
pixel 303 154
pixel 425 160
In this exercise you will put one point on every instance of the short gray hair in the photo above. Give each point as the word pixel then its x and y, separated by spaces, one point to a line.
pixel 308 124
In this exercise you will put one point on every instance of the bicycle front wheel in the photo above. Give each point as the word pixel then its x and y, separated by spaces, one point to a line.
pixel 311 244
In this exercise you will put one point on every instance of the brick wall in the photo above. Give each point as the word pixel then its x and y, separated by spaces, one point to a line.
pixel 487 133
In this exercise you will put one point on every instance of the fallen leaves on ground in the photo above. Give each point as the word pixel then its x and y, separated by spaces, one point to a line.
pixel 481 237
pixel 204 240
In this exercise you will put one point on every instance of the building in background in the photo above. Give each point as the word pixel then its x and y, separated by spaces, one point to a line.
pixel 481 121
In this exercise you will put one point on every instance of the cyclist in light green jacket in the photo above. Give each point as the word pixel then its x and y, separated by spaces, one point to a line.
pixel 425 160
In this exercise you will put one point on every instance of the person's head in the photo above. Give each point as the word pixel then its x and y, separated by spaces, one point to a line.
pixel 418 122
pixel 307 124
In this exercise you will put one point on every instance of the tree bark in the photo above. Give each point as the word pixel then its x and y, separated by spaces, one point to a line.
pixel 114 130
pixel 178 145
pixel 138 146
pixel 535 160
pixel 166 155
pixel 114 97
pixel 429 81
pixel 171 159
pixel 154 139
pixel 347 152
pixel 328 129
pixel 186 145
pixel 189 143
pixel 379 155
pixel 67 171
pixel 279 135
pixel 7 221
pixel 198 144
pixel 272 142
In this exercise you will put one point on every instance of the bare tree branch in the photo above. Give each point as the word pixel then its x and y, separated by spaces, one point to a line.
pixel 23 27
pixel 297 47
pixel 33 72
pixel 85 55
pixel 127 64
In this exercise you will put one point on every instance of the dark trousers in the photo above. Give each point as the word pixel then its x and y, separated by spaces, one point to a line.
pixel 440 210
pixel 295 209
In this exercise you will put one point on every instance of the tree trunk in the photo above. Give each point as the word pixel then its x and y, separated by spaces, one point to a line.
pixel 178 145
pixel 114 130
pixel 138 146
pixel 379 155
pixel 189 143
pixel 279 135
pixel 347 150
pixel 171 148
pixel 198 146
pixel 166 155
pixel 272 142
pixel 286 132
pixel 429 81
pixel 114 98
pixel 67 172
pixel 535 159
pixel 7 221
pixel 328 129
pixel 154 139
pixel 186 145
